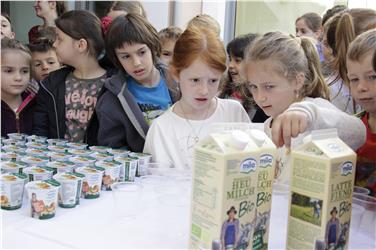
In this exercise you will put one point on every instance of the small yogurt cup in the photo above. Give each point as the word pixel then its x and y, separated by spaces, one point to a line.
pixel 12 167
pixel 38 173
pixel 43 198
pixel 101 149
pixel 36 138
pixel 143 160
pixel 83 161
pixel 17 136
pixel 102 156
pixel 58 148
pixel 118 152
pixel 36 152
pixel 128 168
pixel 59 156
pixel 76 145
pixel 91 186
pixel 57 142
pixel 37 145
pixel 70 190
pixel 81 152
pixel 111 173
pixel 35 160
pixel 14 148
pixel 8 142
pixel 12 189
pixel 61 166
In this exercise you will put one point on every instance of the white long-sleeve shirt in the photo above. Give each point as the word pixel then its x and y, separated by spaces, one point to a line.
pixel 321 115
pixel 171 138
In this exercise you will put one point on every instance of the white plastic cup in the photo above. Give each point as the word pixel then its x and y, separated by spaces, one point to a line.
pixel 127 199
pixel 361 190
pixel 368 220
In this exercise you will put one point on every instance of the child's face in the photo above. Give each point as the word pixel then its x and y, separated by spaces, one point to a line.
pixel 272 92
pixel 137 61
pixel 6 30
pixel 301 29
pixel 363 82
pixel 15 72
pixel 167 50
pixel 198 85
pixel 234 68
pixel 42 8
pixel 43 63
pixel 65 47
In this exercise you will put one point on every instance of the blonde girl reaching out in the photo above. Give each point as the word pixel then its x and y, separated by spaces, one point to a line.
pixel 198 63
pixel 285 79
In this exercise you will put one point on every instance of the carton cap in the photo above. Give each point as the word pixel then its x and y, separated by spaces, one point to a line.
pixel 258 137
pixel 239 139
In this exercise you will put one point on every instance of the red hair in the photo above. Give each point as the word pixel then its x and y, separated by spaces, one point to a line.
pixel 198 43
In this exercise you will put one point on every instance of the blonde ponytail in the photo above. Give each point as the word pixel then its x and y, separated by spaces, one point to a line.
pixel 317 86
pixel 345 33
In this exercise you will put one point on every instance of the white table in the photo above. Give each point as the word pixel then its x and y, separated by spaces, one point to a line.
pixel 93 225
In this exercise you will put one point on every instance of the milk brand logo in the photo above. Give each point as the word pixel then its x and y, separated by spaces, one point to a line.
pixel 266 160
pixel 248 165
pixel 346 168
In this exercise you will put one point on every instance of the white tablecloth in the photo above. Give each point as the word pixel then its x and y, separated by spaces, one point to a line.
pixel 164 225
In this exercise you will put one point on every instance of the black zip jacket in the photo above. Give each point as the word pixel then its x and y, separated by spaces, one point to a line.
pixel 49 115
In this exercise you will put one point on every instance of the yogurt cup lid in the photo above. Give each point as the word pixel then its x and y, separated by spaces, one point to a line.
pixel 125 158
pixel 14 148
pixel 107 163
pixel 101 155
pixel 59 154
pixel 118 151
pixel 35 151
pixel 57 148
pixel 36 137
pixel 99 148
pixel 43 185
pixel 76 145
pixel 17 135
pixel 60 164
pixel 12 177
pixel 38 170
pixel 13 164
pixel 82 159
pixel 34 159
pixel 90 170
pixel 78 151
pixel 36 145
pixel 66 177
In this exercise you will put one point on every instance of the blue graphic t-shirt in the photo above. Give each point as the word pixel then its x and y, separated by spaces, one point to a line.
pixel 152 101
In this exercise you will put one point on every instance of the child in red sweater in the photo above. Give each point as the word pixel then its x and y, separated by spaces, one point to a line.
pixel 362 78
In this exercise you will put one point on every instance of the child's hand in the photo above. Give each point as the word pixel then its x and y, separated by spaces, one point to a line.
pixel 287 125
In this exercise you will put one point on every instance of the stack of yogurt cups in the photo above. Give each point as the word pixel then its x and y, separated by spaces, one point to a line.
pixel 57 172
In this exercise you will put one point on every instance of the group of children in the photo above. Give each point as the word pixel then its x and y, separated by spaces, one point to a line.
pixel 168 88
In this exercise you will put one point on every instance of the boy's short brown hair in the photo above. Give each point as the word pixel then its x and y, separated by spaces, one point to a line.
pixel 130 29
pixel 171 32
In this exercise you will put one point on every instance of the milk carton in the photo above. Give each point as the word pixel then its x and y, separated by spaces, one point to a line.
pixel 322 180
pixel 225 189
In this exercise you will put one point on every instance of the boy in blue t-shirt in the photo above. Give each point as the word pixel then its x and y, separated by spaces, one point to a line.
pixel 140 92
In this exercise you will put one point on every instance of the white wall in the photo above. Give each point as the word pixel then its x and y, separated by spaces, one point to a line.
pixel 158 13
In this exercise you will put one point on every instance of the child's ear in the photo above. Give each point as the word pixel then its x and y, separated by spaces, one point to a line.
pixel 82 45
pixel 52 4
pixel 300 78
